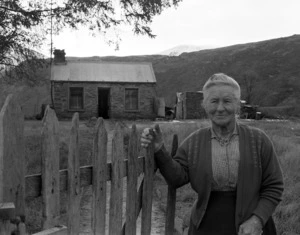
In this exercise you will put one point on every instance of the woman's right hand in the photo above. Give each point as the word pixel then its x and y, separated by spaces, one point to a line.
pixel 152 135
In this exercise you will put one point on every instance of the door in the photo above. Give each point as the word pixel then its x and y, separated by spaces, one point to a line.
pixel 103 102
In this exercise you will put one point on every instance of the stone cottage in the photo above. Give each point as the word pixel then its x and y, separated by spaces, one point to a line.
pixel 102 89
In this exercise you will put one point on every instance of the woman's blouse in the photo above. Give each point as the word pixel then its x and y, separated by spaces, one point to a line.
pixel 225 162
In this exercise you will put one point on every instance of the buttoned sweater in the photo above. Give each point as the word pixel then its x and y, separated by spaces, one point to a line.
pixel 260 181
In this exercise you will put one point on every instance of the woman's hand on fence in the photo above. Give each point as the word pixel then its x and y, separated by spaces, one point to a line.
pixel 152 135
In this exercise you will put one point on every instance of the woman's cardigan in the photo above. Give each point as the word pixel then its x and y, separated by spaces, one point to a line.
pixel 260 181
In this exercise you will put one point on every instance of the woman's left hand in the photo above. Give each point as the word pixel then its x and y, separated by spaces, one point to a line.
pixel 252 226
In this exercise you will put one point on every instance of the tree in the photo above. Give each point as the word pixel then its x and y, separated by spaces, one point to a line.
pixel 24 24
pixel 250 80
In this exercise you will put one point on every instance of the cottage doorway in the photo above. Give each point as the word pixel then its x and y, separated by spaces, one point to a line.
pixel 103 102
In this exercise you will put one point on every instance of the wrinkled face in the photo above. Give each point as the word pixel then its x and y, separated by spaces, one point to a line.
pixel 221 105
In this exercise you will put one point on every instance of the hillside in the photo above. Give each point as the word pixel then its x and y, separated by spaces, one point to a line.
pixel 270 68
pixel 268 71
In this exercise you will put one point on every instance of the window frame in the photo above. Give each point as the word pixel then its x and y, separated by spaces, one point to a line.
pixel 69 99
pixel 138 99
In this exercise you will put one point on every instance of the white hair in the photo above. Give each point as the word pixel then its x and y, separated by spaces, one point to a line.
pixel 221 79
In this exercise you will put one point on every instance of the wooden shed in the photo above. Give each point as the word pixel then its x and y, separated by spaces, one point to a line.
pixel 189 105
pixel 103 89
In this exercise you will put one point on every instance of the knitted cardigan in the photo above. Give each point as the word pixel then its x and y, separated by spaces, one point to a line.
pixel 260 180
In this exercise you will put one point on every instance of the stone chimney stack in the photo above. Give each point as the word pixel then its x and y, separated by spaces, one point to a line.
pixel 59 56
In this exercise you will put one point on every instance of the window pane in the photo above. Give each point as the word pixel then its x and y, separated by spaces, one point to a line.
pixel 131 99
pixel 76 98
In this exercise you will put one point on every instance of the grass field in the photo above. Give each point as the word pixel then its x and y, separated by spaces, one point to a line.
pixel 284 134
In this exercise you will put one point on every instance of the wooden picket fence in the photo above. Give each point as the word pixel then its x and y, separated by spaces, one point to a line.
pixel 15 186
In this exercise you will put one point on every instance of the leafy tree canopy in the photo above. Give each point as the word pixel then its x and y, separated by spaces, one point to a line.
pixel 24 24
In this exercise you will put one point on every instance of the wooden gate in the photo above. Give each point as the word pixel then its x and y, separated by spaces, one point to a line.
pixel 15 186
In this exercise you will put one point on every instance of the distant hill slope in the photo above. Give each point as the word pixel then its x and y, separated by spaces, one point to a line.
pixel 268 71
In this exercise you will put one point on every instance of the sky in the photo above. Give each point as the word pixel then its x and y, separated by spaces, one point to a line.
pixel 205 23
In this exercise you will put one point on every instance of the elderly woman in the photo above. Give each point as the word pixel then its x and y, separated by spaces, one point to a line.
pixel 232 167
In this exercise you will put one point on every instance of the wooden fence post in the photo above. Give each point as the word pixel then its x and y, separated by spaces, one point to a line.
pixel 147 191
pixel 12 156
pixel 74 189
pixel 50 169
pixel 171 198
pixel 99 178
pixel 116 196
pixel 131 198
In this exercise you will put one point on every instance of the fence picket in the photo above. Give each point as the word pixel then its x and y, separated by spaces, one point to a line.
pixel 74 189
pixel 50 169
pixel 171 198
pixel 99 178
pixel 147 191
pixel 12 157
pixel 115 213
pixel 131 198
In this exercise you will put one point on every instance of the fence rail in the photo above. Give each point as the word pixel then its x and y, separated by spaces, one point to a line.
pixel 15 186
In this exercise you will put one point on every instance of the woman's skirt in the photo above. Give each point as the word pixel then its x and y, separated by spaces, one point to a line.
pixel 219 218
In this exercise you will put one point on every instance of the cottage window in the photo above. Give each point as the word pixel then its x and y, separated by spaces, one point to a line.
pixel 131 98
pixel 76 98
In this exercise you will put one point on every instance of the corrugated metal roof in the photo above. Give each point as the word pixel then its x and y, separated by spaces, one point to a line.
pixel 95 71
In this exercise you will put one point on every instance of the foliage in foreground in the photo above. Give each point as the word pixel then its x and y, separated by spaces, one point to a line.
pixel 24 24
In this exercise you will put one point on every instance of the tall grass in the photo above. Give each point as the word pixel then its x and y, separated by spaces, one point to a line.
pixel 286 139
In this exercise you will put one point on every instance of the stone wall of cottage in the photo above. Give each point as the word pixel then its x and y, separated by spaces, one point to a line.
pixel 189 105
pixel 147 94
pixel 193 105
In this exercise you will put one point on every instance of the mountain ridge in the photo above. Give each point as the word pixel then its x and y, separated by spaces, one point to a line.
pixel 271 65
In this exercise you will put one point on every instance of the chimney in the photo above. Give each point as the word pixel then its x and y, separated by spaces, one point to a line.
pixel 59 56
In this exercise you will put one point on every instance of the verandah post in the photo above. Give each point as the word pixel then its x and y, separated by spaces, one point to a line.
pixel 74 189
pixel 50 169
pixel 7 213
pixel 99 178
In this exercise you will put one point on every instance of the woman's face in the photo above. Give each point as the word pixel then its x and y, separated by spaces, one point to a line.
pixel 221 105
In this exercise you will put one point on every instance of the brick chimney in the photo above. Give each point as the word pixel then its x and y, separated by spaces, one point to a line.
pixel 59 56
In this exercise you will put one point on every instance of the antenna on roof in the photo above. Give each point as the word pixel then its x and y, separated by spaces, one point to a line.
pixel 51 50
